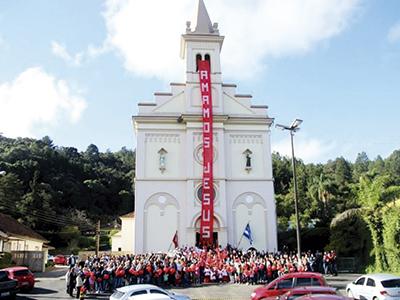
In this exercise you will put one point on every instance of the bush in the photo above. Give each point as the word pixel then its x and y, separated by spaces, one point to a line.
pixel 311 239
pixel 350 236
pixel 50 263
pixel 391 238
pixel 5 260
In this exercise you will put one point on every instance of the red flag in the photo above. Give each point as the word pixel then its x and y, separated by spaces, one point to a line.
pixel 175 239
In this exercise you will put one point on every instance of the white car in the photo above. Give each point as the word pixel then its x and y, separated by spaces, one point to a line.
pixel 129 291
pixel 375 287
pixel 150 297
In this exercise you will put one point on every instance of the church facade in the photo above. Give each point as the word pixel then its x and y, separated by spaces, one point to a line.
pixel 168 183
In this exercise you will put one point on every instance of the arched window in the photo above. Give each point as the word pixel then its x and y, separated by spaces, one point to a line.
pixel 207 57
pixel 198 57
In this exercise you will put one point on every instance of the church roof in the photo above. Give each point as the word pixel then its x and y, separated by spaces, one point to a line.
pixel 202 20
pixel 12 227
pixel 129 215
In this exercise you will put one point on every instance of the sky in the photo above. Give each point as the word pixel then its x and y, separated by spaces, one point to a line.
pixel 75 70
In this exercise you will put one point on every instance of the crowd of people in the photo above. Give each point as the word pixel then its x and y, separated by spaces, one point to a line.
pixel 191 266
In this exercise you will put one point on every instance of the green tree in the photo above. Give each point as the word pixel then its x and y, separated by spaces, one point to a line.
pixel 361 165
pixel 392 166
pixel 374 194
pixel 11 191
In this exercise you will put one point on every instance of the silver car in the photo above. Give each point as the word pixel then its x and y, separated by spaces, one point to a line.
pixel 124 293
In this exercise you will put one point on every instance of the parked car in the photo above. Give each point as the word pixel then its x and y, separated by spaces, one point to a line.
pixel 150 297
pixel 8 286
pixel 287 282
pixel 60 259
pixel 323 297
pixel 129 291
pixel 375 287
pixel 307 290
pixel 24 277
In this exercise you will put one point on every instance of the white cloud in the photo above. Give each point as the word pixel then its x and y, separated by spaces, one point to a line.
pixel 147 33
pixel 61 52
pixel 307 149
pixel 394 33
pixel 36 99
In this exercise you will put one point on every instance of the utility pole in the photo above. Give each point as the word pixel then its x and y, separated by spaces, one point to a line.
pixel 296 201
pixel 292 129
pixel 98 238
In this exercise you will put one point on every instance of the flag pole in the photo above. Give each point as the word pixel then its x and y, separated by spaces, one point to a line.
pixel 241 237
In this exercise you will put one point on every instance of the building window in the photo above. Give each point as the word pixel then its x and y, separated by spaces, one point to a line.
pixel 198 58
pixel 199 193
pixel 207 57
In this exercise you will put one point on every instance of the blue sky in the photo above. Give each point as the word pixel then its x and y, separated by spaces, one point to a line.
pixel 75 70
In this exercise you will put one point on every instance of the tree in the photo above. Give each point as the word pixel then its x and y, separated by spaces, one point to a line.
pixel 377 167
pixel 11 191
pixel 361 165
pixel 374 194
pixel 346 228
pixel 392 166
pixel 282 169
pixel 322 191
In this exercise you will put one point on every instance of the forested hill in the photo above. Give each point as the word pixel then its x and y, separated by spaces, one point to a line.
pixel 53 189
pixel 50 187
pixel 326 190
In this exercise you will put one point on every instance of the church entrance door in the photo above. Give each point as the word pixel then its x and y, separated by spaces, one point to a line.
pixel 215 233
pixel 215 239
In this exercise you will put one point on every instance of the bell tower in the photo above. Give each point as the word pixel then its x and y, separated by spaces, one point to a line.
pixel 202 41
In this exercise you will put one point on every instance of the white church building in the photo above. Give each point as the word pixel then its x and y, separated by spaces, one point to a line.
pixel 169 157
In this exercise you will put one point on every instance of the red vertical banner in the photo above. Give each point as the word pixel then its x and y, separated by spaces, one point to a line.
pixel 207 201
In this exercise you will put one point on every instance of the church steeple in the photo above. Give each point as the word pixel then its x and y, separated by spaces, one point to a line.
pixel 201 41
pixel 202 23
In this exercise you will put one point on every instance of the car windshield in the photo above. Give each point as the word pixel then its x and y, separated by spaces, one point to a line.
pixel 292 297
pixel 392 283
pixel 118 295
pixel 3 276
pixel 21 273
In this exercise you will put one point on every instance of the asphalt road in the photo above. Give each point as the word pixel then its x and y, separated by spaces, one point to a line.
pixel 51 285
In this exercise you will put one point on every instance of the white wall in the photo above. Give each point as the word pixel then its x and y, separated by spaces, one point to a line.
pixel 28 245
pixel 116 242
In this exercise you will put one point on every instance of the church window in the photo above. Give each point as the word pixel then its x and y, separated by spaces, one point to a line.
pixel 207 57
pixel 199 193
pixel 198 57
pixel 162 159
pixel 247 154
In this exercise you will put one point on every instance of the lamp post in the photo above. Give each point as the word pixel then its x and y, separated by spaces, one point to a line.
pixel 292 129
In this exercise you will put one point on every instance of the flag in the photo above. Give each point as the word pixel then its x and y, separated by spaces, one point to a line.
pixel 175 239
pixel 247 233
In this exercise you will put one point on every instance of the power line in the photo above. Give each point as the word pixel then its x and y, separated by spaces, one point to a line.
pixel 59 218
pixel 46 218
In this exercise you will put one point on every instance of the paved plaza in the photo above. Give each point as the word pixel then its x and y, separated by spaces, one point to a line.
pixel 51 285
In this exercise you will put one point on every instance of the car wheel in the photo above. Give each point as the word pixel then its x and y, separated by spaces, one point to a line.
pixel 13 297
pixel 350 294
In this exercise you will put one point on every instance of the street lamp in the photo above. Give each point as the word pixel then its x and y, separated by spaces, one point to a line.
pixel 3 173
pixel 292 129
